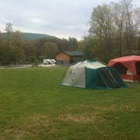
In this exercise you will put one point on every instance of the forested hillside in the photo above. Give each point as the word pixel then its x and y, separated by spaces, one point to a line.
pixel 31 36
pixel 17 47
pixel 114 31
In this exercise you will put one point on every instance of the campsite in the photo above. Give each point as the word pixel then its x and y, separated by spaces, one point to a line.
pixel 34 105
pixel 70 70
pixel 92 74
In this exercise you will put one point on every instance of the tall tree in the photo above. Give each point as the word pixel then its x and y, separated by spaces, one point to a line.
pixel 8 29
pixel 50 50
pixel 102 28
pixel 16 38
pixel 30 50
pixel 115 27
pixel 73 44
pixel 128 25
pixel 118 19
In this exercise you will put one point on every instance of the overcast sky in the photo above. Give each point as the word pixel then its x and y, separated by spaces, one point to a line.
pixel 60 18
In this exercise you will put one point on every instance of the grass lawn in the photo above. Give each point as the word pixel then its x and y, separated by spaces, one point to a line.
pixel 33 106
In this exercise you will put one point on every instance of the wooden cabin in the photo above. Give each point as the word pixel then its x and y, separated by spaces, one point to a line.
pixel 69 57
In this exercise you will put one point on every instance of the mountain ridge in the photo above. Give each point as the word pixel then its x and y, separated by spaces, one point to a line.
pixel 33 36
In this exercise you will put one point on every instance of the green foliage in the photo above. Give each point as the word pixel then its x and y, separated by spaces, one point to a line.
pixel 49 50
pixel 115 29
pixel 16 38
pixel 34 106
pixel 11 50
pixel 31 59
pixel 8 29
pixel 28 47
pixel 73 44
pixel 10 53
pixel 89 52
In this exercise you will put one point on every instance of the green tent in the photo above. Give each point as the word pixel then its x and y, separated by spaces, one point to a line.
pixel 92 74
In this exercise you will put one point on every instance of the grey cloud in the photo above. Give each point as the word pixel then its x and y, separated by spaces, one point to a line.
pixel 61 18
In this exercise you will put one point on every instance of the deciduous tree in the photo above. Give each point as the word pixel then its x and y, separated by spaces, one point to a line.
pixel 8 29
pixel 49 50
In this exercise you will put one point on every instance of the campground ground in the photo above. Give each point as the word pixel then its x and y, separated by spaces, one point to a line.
pixel 30 65
pixel 33 105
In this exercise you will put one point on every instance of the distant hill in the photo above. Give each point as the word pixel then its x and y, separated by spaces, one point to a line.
pixel 33 36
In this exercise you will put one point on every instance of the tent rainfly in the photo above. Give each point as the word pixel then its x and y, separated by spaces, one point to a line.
pixel 128 67
pixel 92 74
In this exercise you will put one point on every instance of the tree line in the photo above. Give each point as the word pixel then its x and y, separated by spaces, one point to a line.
pixel 114 31
pixel 14 50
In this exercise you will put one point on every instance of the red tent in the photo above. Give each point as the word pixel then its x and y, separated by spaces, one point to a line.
pixel 128 67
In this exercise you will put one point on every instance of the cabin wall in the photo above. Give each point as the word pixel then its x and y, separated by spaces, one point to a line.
pixel 62 58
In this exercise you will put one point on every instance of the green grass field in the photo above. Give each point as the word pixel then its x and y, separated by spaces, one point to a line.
pixel 33 106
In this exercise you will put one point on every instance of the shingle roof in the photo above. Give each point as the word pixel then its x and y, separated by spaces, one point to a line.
pixel 73 53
